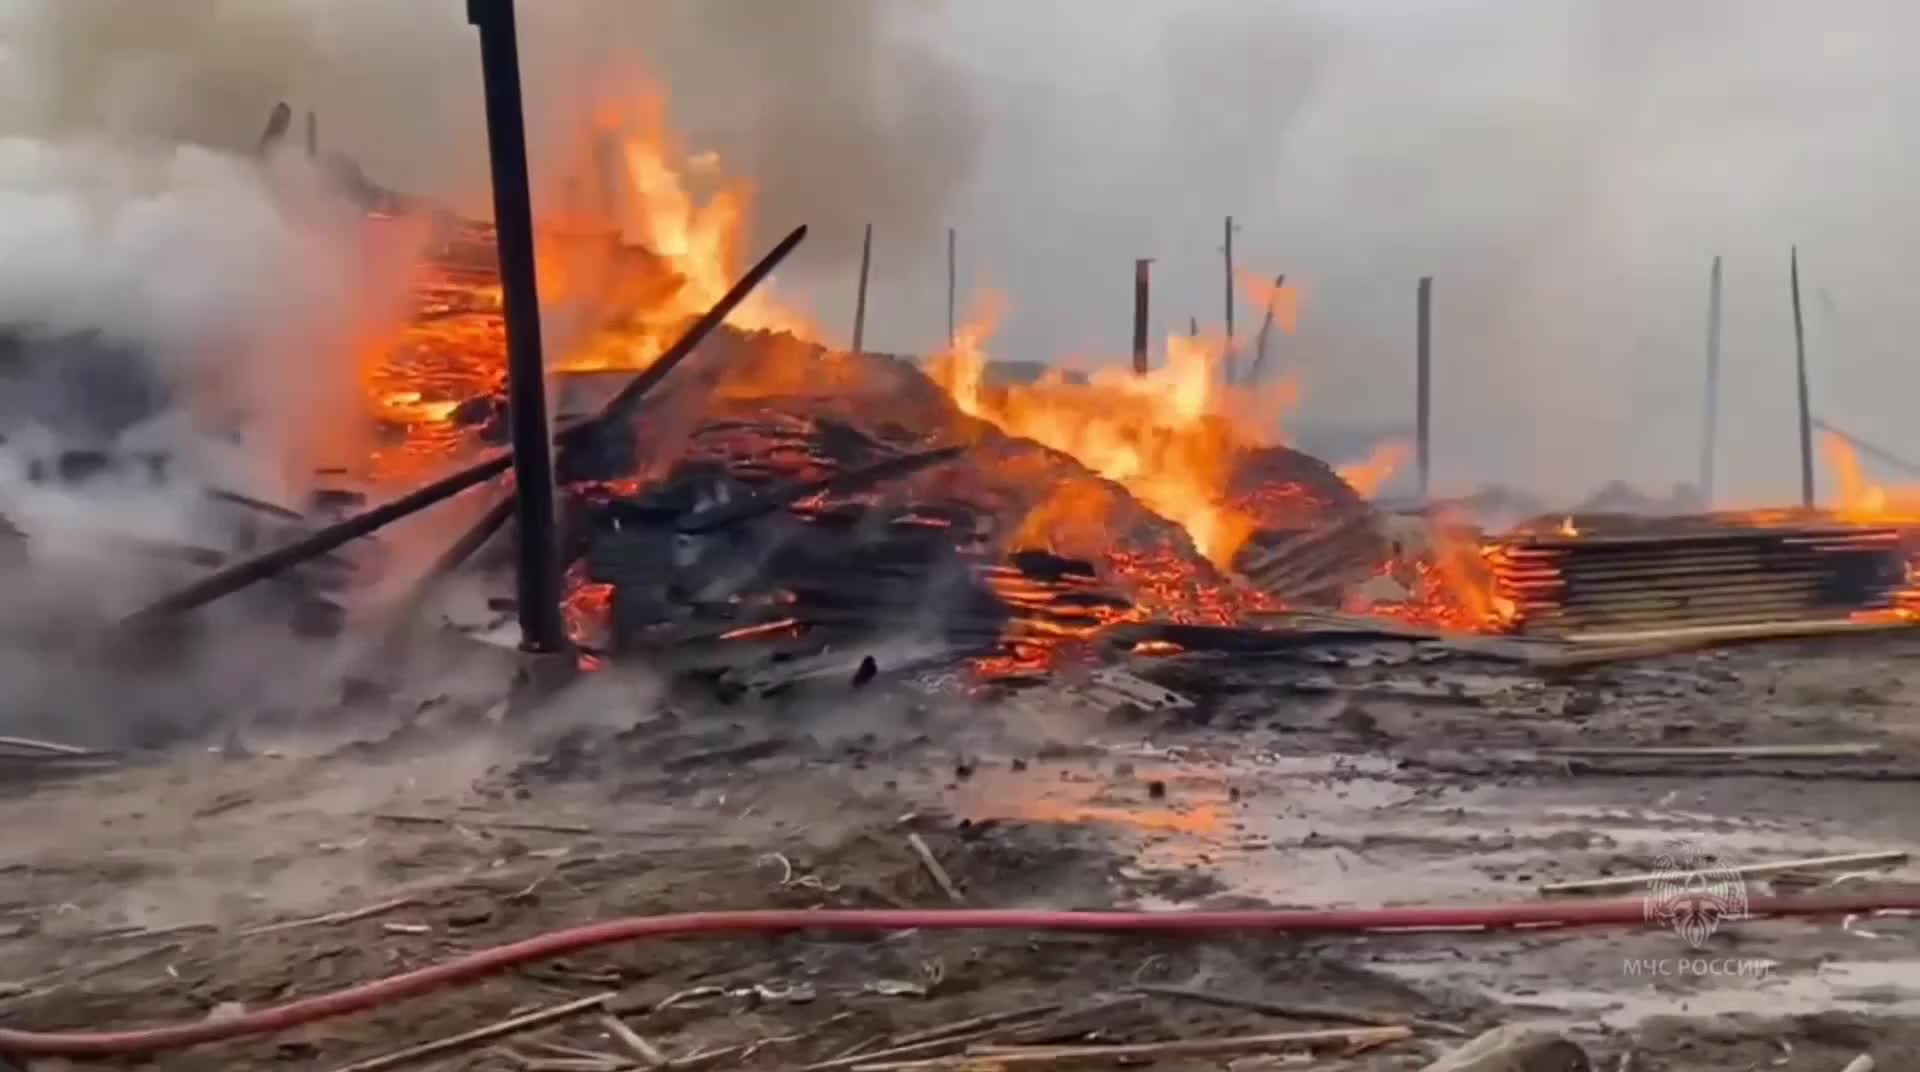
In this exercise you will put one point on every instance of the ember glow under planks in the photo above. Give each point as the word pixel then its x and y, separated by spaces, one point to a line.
pixel 1686 576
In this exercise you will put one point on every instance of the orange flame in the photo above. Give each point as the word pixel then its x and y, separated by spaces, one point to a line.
pixel 1858 499
pixel 1283 301
pixel 1369 476
pixel 1163 436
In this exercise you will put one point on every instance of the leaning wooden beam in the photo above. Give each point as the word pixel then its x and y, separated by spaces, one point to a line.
pixel 242 574
pixel 622 404
pixel 1780 867
pixel 1266 330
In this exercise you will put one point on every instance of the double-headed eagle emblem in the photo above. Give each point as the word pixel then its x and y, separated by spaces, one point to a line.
pixel 1694 900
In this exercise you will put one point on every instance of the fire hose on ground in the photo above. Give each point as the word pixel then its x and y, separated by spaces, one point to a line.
pixel 141 1042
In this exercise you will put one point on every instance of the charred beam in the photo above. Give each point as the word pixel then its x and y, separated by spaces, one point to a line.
pixel 846 483
pixel 242 574
pixel 622 405
pixel 1266 330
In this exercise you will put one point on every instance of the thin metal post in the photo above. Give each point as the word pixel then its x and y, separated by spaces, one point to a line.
pixel 1423 389
pixel 1800 370
pixel 542 626
pixel 1227 362
pixel 952 280
pixel 860 301
pixel 1140 315
pixel 1712 431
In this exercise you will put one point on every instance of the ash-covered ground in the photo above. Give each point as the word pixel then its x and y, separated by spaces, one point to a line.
pixel 392 831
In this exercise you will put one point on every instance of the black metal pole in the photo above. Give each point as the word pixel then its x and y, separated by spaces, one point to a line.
pixel 1800 369
pixel 1713 387
pixel 1140 315
pixel 542 626
pixel 860 300
pixel 1423 387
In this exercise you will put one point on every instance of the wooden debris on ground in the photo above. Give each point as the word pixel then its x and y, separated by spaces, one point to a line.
pixel 932 864
pixel 1515 1048
pixel 467 1040
pixel 1291 1011
pixel 1615 883
pixel 986 1054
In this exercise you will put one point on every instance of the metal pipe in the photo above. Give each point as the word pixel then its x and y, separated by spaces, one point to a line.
pixel 1423 376
pixel 860 300
pixel 1800 371
pixel 1140 315
pixel 1713 387
pixel 542 626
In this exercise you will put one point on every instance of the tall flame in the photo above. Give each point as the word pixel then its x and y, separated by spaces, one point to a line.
pixel 1859 499
pixel 1164 436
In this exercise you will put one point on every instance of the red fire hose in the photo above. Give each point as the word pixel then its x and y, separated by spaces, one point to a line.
pixel 148 1041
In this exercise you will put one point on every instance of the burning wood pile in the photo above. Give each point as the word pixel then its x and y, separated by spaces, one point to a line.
pixel 762 512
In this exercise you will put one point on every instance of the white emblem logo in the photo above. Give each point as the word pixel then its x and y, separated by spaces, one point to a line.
pixel 1694 900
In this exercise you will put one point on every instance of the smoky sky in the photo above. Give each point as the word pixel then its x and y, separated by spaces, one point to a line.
pixel 1565 169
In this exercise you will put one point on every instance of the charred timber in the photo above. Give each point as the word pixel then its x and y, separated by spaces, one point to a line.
pixel 847 483
pixel 243 574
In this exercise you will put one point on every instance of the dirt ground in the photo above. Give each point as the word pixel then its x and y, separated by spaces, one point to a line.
pixel 295 858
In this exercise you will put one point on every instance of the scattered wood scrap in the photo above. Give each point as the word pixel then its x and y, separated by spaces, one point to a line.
pixel 1515 1048
pixel 932 864
pixel 469 1039
pixel 1286 1010
pixel 1044 1056
pixel 1812 863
